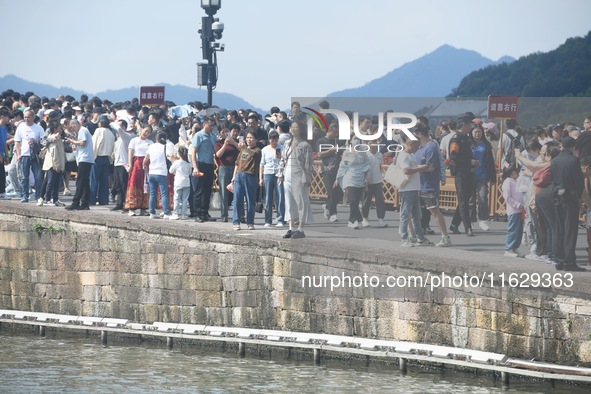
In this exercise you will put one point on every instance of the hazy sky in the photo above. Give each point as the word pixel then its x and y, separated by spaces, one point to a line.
pixel 275 49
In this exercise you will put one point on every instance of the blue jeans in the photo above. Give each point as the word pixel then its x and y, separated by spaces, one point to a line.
pixel 410 206
pixel 225 174
pixel 245 186
pixel 514 232
pixel 158 182
pixel 99 181
pixel 273 192
pixel 181 197
pixel 53 185
pixel 28 164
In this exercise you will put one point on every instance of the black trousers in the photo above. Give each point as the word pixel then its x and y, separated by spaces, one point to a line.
pixel 355 195
pixel 203 188
pixel 465 184
pixel 82 185
pixel 333 196
pixel 567 227
pixel 3 177
pixel 120 178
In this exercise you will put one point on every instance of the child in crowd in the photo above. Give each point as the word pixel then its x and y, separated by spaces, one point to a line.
pixel 514 205
pixel 182 170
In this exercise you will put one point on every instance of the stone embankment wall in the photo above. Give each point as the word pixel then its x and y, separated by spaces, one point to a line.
pixel 146 271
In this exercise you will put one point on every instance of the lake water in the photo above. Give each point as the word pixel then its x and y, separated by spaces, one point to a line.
pixel 31 364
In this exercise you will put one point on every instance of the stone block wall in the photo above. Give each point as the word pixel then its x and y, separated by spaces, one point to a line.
pixel 167 271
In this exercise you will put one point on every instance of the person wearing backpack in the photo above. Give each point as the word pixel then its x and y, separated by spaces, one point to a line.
pixel 511 140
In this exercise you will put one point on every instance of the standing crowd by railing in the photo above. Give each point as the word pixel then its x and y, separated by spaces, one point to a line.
pixel 186 159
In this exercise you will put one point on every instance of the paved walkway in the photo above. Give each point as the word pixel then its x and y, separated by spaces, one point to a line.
pixel 491 242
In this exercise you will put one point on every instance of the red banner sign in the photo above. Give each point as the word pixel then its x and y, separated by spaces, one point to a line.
pixel 502 107
pixel 151 95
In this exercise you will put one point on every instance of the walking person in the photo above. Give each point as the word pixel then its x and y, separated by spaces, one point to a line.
pixel 295 171
pixel 226 153
pixel 274 193
pixel 27 139
pixel 85 160
pixel 514 206
pixel 182 170
pixel 136 200
pixel 246 174
pixel 375 188
pixel 410 207
pixel 462 165
pixel 483 174
pixel 155 164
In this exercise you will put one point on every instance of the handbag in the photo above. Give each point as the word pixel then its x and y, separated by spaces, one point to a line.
pixel 395 176
pixel 259 205
pixel 542 177
pixel 70 156
pixel 215 202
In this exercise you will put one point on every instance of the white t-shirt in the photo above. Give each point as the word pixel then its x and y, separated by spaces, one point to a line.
pixel 140 146
pixel 407 160
pixel 157 160
pixel 182 171
pixel 24 133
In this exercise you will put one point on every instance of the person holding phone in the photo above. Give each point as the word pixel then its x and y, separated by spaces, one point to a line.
pixel 271 156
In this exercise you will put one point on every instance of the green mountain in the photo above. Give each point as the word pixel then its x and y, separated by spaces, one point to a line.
pixel 563 72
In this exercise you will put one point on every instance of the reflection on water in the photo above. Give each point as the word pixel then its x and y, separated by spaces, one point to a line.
pixel 32 364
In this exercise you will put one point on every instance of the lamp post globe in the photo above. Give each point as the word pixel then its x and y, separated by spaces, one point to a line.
pixel 211 6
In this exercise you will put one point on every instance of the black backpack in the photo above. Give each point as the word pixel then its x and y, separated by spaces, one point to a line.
pixel 515 144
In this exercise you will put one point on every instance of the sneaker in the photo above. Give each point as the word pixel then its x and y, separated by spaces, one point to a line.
pixel 454 229
pixel 184 217
pixel 469 232
pixel 510 253
pixel 167 217
pixel 298 234
pixel 174 216
pixel 13 194
pixel 73 207
pixel 444 242
pixel 333 218
pixel 413 240
pixel 144 212
pixel 533 256
pixel 250 226
pixel 133 212
pixel 154 216
pixel 24 200
pixel 407 243
pixel 353 225
pixel 279 224
pixel 288 234
pixel 484 225
pixel 365 222
pixel 236 227
pixel 423 242
pixel 267 225
pixel 382 223
pixel 428 231
pixel 48 203
pixel 326 212
pixel 67 192
pixel 161 214
pixel 40 202
pixel 4 197
pixel 58 203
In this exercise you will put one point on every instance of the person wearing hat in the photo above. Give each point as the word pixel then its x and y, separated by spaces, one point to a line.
pixel 567 178
pixel 462 165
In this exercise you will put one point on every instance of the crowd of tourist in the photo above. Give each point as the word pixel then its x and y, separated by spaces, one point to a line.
pixel 179 162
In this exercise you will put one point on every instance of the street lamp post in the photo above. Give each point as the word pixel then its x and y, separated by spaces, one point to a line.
pixel 211 30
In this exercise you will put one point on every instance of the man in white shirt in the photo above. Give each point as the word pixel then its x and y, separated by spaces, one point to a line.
pixel 103 142
pixel 121 176
pixel 27 145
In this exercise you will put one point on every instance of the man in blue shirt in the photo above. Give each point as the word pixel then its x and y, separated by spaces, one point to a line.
pixel 201 153
pixel 85 159
pixel 428 154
